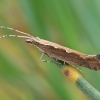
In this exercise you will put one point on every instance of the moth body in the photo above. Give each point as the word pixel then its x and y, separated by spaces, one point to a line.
pixel 59 52
pixel 65 54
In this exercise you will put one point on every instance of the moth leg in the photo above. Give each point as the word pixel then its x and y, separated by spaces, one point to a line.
pixel 77 69
pixel 42 59
pixel 58 62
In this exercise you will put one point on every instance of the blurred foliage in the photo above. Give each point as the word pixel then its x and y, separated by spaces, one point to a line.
pixel 72 23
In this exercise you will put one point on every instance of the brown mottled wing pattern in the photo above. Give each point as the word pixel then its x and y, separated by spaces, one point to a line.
pixel 92 62
pixel 66 54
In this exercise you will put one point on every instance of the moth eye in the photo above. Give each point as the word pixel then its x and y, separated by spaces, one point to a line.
pixel 98 56
pixel 29 41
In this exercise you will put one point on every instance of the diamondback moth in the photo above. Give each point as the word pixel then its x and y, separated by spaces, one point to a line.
pixel 59 52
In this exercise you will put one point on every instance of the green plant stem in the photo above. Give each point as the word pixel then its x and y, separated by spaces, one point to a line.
pixel 87 89
pixel 79 81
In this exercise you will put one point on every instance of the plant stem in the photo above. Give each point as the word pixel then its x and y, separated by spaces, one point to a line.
pixel 80 82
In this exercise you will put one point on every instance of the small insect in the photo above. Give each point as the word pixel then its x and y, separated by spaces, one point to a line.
pixel 59 52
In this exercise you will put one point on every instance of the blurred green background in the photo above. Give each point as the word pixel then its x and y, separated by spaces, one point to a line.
pixel 72 23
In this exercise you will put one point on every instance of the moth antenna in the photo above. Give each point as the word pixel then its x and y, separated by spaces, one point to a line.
pixel 9 28
pixel 19 36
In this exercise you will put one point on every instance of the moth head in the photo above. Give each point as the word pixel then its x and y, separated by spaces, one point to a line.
pixel 29 41
pixel 32 40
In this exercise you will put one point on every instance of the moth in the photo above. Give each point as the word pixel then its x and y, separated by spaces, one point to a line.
pixel 59 52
